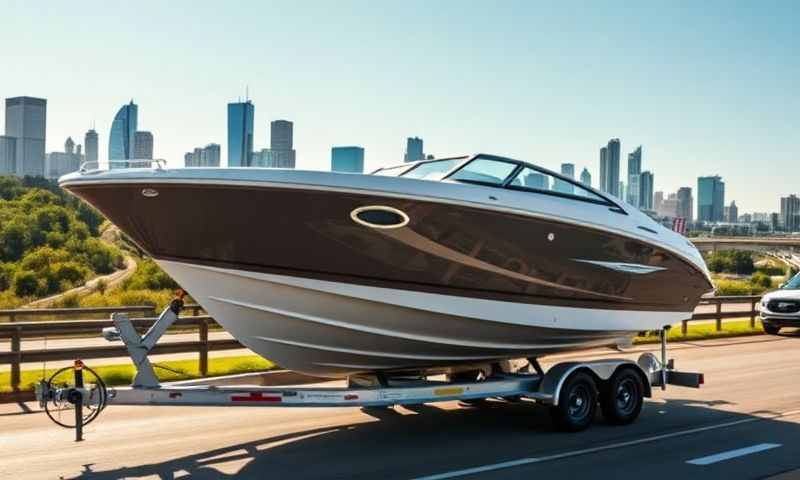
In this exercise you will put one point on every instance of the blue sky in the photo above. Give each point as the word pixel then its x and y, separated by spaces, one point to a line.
pixel 706 87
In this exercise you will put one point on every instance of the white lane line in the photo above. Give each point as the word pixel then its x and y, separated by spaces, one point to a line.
pixel 575 453
pixel 739 452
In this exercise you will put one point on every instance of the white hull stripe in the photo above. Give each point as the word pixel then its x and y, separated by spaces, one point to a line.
pixel 623 267
pixel 392 333
pixel 546 316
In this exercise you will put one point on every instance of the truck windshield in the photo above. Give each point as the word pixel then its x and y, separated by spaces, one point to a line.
pixel 793 284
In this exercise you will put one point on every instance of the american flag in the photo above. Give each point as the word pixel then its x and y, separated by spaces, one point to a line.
pixel 679 225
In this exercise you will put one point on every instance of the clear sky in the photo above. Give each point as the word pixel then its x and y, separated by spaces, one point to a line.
pixel 707 87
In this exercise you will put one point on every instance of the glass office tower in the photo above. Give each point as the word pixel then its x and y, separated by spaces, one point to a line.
pixel 347 159
pixel 240 134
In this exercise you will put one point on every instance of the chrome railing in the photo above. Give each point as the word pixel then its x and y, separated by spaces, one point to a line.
pixel 156 164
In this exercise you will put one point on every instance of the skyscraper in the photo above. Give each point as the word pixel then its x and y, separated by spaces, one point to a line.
pixel 790 213
pixel 26 120
pixel 732 213
pixel 62 163
pixel 646 181
pixel 612 167
pixel 603 181
pixel 143 149
pixel 414 150
pixel 568 170
pixel 208 156
pixel 8 155
pixel 658 199
pixel 347 159
pixel 90 142
pixel 634 171
pixel 586 177
pixel 240 133
pixel 122 139
pixel 710 199
pixel 537 180
pixel 685 204
pixel 282 154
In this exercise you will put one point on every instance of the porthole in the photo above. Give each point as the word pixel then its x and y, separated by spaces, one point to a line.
pixel 377 216
pixel 150 192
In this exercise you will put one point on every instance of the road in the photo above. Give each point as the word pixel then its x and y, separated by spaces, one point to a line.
pixel 750 407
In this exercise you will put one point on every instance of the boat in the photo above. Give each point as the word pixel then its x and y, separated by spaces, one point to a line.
pixel 421 267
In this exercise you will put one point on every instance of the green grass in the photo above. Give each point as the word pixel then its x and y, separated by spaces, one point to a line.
pixel 115 375
pixel 705 331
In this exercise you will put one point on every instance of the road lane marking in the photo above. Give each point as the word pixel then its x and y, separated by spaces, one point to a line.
pixel 739 452
pixel 612 446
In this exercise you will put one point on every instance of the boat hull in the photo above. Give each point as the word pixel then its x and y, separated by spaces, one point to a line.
pixel 334 329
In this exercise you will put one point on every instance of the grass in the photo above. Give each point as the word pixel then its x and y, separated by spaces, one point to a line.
pixel 115 375
pixel 705 331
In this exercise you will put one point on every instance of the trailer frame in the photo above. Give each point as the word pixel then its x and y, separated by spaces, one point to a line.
pixel 543 387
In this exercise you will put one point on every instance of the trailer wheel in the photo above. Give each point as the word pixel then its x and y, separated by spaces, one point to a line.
pixel 623 397
pixel 577 403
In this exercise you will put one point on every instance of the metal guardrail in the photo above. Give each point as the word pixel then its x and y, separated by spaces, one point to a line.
pixel 17 331
pixel 719 315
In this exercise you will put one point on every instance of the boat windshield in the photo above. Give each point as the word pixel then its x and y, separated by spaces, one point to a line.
pixel 484 171
pixel 435 170
pixel 392 171
pixel 540 181
pixel 793 284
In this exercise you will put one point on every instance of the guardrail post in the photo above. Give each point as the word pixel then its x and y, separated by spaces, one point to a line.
pixel 719 315
pixel 753 313
pixel 203 347
pixel 16 362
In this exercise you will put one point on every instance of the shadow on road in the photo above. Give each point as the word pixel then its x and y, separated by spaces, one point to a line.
pixel 423 440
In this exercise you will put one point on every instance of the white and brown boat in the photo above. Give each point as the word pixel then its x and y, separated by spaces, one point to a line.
pixel 412 268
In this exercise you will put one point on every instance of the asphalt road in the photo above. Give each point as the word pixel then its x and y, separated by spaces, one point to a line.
pixel 744 423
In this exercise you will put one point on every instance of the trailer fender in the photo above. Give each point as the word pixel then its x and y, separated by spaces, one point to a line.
pixel 602 370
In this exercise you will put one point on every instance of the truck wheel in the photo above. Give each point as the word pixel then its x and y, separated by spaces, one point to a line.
pixel 623 397
pixel 770 329
pixel 577 403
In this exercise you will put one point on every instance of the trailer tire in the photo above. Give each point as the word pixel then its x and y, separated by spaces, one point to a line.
pixel 577 403
pixel 623 397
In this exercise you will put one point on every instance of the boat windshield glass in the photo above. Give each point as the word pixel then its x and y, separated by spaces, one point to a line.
pixel 793 284
pixel 392 171
pixel 537 181
pixel 435 170
pixel 484 171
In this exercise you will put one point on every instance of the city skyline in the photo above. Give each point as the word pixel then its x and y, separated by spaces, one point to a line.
pixel 674 84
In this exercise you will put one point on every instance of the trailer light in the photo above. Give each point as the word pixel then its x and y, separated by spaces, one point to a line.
pixel 256 397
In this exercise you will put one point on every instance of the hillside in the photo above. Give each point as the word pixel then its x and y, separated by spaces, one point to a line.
pixel 49 241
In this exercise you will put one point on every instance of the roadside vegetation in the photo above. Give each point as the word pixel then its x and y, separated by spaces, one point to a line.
pixel 746 273
pixel 49 241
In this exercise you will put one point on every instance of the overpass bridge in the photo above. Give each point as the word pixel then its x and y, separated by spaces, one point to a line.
pixel 787 248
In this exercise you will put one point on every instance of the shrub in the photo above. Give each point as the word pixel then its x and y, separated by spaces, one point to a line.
pixel 759 279
pixel 26 284
pixel 730 262
pixel 149 276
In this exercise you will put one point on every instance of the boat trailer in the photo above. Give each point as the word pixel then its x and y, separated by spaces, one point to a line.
pixel 571 389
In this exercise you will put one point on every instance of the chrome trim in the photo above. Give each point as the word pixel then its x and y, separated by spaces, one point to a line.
pixel 623 267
